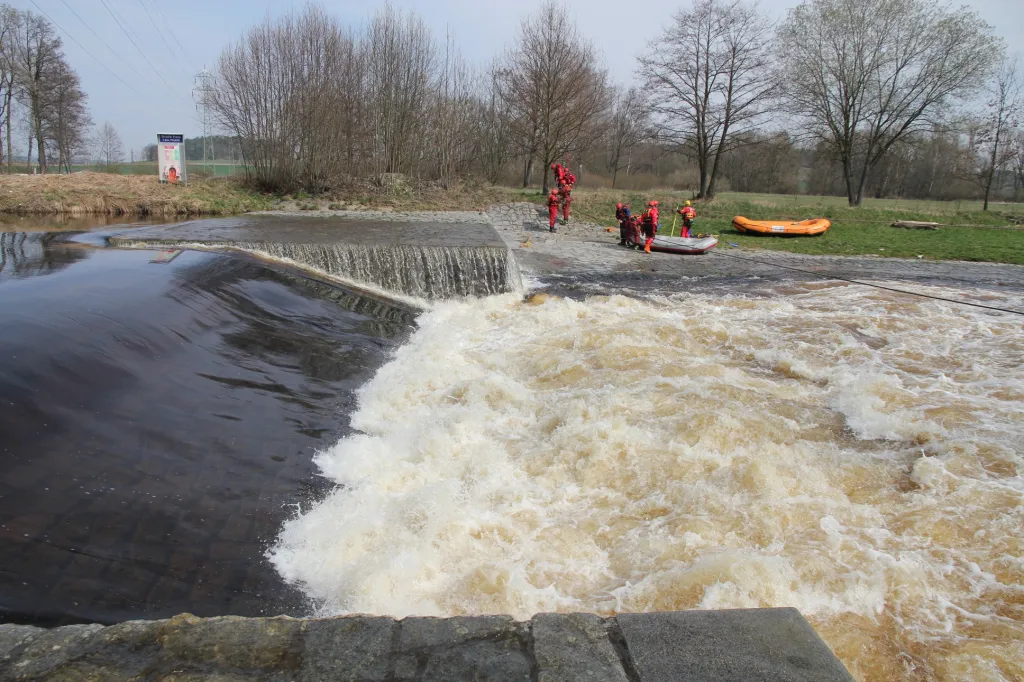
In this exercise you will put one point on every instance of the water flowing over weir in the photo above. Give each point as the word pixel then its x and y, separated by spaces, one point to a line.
pixel 454 256
pixel 850 452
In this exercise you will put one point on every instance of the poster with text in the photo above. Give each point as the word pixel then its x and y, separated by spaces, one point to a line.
pixel 170 153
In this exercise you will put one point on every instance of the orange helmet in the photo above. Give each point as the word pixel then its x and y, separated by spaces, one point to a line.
pixel 553 166
pixel 618 205
pixel 652 204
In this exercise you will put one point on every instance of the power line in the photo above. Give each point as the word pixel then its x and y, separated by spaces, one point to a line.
pixel 174 36
pixel 869 284
pixel 156 27
pixel 139 49
pixel 112 73
pixel 98 37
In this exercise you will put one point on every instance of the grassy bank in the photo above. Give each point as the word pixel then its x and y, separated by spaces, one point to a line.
pixel 109 194
pixel 967 234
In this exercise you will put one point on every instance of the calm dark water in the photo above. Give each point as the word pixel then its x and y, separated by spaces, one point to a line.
pixel 157 423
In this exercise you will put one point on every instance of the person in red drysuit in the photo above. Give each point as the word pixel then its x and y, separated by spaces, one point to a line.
pixel 650 224
pixel 622 215
pixel 689 215
pixel 560 171
pixel 634 238
pixel 553 201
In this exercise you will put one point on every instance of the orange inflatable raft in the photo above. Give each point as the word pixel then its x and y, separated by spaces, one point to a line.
pixel 781 227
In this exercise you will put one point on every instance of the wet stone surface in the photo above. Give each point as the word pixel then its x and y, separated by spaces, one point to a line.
pixel 725 646
pixel 583 258
pixel 378 229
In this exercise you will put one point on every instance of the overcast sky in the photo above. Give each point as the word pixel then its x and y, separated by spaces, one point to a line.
pixel 620 29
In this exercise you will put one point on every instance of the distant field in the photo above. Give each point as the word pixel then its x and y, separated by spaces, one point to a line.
pixel 219 169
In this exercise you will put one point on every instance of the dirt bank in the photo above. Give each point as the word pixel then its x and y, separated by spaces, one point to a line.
pixel 88 193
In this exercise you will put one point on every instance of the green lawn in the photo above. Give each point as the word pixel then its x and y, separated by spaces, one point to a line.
pixel 855 231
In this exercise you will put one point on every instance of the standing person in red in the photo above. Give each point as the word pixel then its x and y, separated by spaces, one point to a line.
pixel 689 215
pixel 553 201
pixel 622 215
pixel 650 224
pixel 565 187
pixel 559 170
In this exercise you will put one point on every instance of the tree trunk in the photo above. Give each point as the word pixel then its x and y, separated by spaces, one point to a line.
pixel 9 148
pixel 528 172
pixel 615 174
pixel 28 157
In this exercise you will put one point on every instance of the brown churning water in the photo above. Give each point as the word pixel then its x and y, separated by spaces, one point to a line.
pixel 854 453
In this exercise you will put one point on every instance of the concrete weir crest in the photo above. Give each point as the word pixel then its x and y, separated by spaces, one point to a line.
pixel 427 256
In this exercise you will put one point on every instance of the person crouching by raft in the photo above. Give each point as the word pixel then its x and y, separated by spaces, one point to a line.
pixel 649 224
pixel 554 200
pixel 689 214
pixel 622 215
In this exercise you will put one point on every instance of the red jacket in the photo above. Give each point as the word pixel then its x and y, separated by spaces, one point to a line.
pixel 554 199
pixel 688 213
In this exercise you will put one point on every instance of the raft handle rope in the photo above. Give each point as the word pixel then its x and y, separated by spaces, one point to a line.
pixel 869 284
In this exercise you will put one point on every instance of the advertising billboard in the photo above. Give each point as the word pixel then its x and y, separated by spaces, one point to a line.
pixel 170 154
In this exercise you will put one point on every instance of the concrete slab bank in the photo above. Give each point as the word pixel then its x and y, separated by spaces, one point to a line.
pixel 724 646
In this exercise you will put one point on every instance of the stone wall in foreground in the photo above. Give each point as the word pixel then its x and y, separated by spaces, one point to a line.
pixel 747 645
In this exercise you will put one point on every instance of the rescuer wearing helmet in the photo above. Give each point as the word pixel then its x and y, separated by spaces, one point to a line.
pixel 622 215
pixel 689 215
pixel 650 224
pixel 553 201
pixel 570 180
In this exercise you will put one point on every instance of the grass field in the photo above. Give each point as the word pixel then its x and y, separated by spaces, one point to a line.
pixel 967 232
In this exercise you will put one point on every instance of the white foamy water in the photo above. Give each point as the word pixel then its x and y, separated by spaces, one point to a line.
pixel 854 453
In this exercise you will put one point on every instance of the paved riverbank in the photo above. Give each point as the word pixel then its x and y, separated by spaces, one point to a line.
pixel 584 256
pixel 724 646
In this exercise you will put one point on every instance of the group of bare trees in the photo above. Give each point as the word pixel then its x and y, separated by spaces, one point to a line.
pixel 857 97
pixel 36 78
pixel 316 103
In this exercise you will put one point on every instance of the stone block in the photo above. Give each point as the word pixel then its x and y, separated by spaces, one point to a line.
pixel 575 648
pixel 47 651
pixel 743 645
pixel 342 649
pixel 12 636
pixel 483 649
pixel 256 644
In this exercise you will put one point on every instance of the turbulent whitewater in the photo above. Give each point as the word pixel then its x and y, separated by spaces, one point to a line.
pixel 851 452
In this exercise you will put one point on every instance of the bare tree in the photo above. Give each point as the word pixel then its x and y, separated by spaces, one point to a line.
pixel 37 59
pixel 993 133
pixel 1017 162
pixel 629 125
pixel 401 59
pixel 494 131
pixel 66 118
pixel 10 28
pixel 552 85
pixel 866 74
pixel 709 77
pixel 452 115
pixel 109 145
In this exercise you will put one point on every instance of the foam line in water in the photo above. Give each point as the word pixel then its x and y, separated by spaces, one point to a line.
pixel 850 452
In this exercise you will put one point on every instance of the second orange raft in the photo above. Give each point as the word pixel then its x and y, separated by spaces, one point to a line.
pixel 781 227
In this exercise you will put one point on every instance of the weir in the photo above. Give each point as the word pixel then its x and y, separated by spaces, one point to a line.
pixel 447 255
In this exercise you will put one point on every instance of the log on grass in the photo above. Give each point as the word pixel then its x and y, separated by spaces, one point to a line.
pixel 915 225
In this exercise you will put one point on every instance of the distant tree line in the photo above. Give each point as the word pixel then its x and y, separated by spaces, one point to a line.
pixel 222 147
